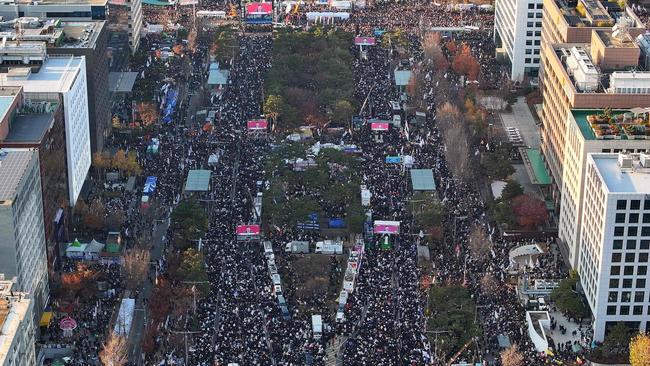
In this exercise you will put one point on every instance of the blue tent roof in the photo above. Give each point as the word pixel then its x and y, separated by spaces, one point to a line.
pixel 402 77
pixel 218 77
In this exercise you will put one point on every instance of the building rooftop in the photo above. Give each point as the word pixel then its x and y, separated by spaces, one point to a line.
pixel 623 124
pixel 55 75
pixel 596 13
pixel 13 164
pixel 619 179
pixel 30 127
pixel 5 104
pixel 14 307
pixel 58 2
pixel 623 40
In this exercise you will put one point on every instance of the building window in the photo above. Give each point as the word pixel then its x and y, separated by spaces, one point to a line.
pixel 538 42
pixel 613 283
pixel 635 204
pixel 645 244
pixel 620 218
pixel 536 60
pixel 615 270
pixel 529 51
pixel 538 24
pixel 531 6
pixel 538 15
pixel 627 283
pixel 640 283
pixel 632 231
pixel 646 204
pixel 642 270
pixel 628 271
pixel 531 15
pixel 629 257
pixel 621 204
pixel 540 6
pixel 611 310
pixel 529 33
pixel 643 257
pixel 538 33
pixel 536 52
pixel 616 257
pixel 527 60
pixel 626 296
pixel 633 218
pixel 612 297
pixel 625 310
pixel 619 231
pixel 637 310
pixel 646 217
pixel 529 42
pixel 638 296
pixel 645 231
pixel 530 24
pixel 630 244
pixel 617 244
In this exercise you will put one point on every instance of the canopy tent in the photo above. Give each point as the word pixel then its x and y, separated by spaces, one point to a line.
pixel 503 340
pixel 198 181
pixel 217 76
pixel 322 15
pixel 339 4
pixel 402 77
pixel 422 180
pixel 386 227
pixel 213 159
pixel 149 185
pixel 154 146
pixel 124 317
pixel 121 82
pixel 497 188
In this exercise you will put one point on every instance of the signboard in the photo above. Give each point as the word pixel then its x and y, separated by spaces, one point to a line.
pixel 386 227
pixel 379 126
pixel 393 159
pixel 365 41
pixel 150 185
pixel 259 9
pixel 248 230
pixel 259 124
pixel 188 2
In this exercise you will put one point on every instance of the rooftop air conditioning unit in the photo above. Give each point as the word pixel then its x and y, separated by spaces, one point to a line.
pixel 624 161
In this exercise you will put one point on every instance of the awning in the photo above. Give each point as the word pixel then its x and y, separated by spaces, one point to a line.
pixel 422 180
pixel 46 319
pixel 535 166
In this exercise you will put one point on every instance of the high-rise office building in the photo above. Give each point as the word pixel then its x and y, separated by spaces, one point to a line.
pixel 40 125
pixel 59 79
pixel 22 233
pixel 518 32
pixel 584 135
pixel 615 241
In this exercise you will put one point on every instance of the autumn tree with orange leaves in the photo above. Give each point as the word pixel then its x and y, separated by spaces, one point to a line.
pixel 529 211
pixel 465 63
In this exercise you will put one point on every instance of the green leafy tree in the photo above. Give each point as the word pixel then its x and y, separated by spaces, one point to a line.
pixel 342 111
pixel 617 341
pixel 568 301
pixel 189 223
pixel 497 165
pixel 273 107
pixel 511 190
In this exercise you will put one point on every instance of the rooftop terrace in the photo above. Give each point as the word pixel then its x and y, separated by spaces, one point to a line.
pixel 600 124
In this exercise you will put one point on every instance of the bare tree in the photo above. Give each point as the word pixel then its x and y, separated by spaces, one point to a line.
pixel 114 352
pixel 489 285
pixel 479 243
pixel 135 266
pixel 458 155
pixel 512 356
pixel 433 54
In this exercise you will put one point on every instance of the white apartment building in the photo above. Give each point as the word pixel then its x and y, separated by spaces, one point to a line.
pixel 581 141
pixel 615 241
pixel 22 231
pixel 518 31
pixel 16 327
pixel 62 79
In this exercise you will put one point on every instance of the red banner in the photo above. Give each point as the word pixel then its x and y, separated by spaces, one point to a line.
pixel 259 9
pixel 248 230
pixel 364 41
pixel 379 126
pixel 259 124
